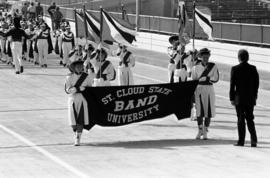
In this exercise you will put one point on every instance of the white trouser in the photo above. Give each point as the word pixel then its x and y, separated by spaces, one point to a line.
pixel 2 47
pixel 28 43
pixel 16 49
pixel 42 45
pixel 67 47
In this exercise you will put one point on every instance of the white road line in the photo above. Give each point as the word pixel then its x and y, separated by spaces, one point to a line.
pixel 45 153
pixel 219 96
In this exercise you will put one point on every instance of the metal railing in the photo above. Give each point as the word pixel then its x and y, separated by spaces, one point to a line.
pixel 223 31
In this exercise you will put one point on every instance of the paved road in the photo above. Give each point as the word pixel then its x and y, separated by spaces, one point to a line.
pixel 35 140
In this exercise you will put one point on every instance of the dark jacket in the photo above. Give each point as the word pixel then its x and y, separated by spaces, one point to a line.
pixel 244 84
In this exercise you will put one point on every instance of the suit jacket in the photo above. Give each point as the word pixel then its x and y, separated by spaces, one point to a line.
pixel 244 84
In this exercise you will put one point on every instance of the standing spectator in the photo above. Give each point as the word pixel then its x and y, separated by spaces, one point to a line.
pixel 32 10
pixel 39 10
pixel 51 11
pixel 243 95
pixel 24 10
pixel 207 74
pixel 57 18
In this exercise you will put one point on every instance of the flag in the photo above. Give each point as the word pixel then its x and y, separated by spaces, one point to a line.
pixel 92 25
pixel 117 30
pixel 204 20
pixel 79 22
pixel 122 105
pixel 182 16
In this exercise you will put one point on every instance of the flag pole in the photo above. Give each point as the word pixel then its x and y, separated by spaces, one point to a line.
pixel 85 23
pixel 138 6
pixel 193 35
pixel 123 11
pixel 179 30
pixel 76 25
pixel 101 29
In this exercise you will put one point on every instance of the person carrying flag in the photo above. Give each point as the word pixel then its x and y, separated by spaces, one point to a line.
pixel 127 61
pixel 104 70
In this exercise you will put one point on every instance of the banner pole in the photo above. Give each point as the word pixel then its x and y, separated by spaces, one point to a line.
pixel 76 25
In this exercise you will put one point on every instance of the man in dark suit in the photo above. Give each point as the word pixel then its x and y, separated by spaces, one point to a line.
pixel 243 95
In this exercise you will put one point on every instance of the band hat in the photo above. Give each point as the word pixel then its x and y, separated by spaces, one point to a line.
pixel 204 51
pixel 173 38
pixel 74 63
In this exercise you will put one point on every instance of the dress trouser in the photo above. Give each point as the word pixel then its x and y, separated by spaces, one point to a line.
pixel 245 113
pixel 42 45
pixel 16 48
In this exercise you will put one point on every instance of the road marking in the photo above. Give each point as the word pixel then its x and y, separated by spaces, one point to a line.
pixel 45 153
pixel 219 96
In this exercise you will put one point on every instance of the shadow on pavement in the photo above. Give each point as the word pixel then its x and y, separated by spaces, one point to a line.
pixel 162 144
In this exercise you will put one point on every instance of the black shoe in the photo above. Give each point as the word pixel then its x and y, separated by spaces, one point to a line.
pixel 64 65
pixel 17 72
pixel 21 69
pixel 45 65
pixel 253 144
pixel 238 144
pixel 61 63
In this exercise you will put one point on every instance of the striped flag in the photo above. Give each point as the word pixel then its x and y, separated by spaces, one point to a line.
pixel 117 30
pixel 182 16
pixel 93 25
pixel 204 20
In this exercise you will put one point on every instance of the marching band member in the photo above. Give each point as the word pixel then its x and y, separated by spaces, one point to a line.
pixel 207 74
pixel 3 26
pixel 172 52
pixel 76 54
pixel 30 31
pixel 17 36
pixel 34 45
pixel 180 73
pixel 104 70
pixel 76 82
pixel 67 43
pixel 44 44
pixel 127 60
pixel 88 67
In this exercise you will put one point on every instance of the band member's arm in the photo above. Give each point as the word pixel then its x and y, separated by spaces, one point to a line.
pixel 214 77
pixel 194 75
pixel 69 89
pixel 111 74
pixel 131 61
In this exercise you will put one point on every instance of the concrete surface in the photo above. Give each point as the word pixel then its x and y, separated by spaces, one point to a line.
pixel 36 141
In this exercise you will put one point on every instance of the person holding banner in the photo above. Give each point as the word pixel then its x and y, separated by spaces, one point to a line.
pixel 207 74
pixel 103 68
pixel 127 61
pixel 75 83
